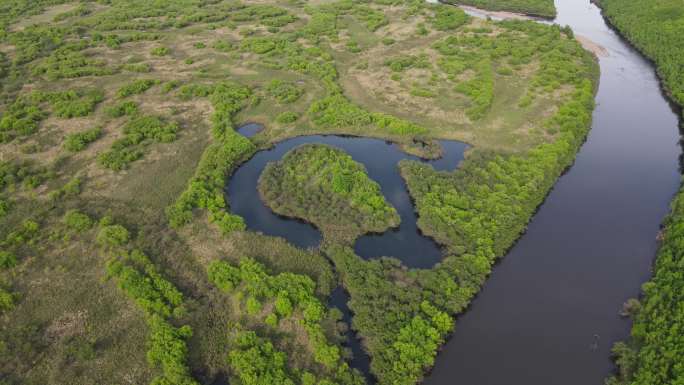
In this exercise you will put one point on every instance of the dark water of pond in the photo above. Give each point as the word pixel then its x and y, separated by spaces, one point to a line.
pixel 250 129
pixel 549 312
pixel 381 160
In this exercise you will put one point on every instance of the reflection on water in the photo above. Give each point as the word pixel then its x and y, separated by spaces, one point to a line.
pixel 381 160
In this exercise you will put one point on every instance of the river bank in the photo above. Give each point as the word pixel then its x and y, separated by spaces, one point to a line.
pixel 550 311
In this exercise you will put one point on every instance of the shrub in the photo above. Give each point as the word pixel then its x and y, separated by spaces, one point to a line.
pixel 80 140
pixel 287 117
pixel 139 132
pixel 77 221
pixel 205 189
pixel 21 118
pixel 72 104
pixel 7 260
pixel 70 189
pixel 170 86
pixel 137 67
pixel 325 186
pixel 4 207
pixel 136 87
pixel 449 18
pixel 160 51
pixel 112 236
pixel 68 62
pixel 127 108
pixel 6 300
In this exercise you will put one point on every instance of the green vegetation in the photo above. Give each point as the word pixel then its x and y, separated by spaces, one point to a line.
pixel 125 108
pixel 139 133
pixel 139 279
pixel 284 92
pixel 80 140
pixel 205 189
pixel 656 28
pixel 287 117
pixel 542 8
pixel 77 221
pixel 160 51
pixel 325 186
pixel 208 297
pixel 292 297
pixel 136 87
pixel 484 206
pixel 653 353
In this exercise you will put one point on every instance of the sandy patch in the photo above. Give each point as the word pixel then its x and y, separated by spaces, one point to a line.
pixel 592 46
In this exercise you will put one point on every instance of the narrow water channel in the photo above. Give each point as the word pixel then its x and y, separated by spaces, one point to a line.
pixel 381 160
pixel 549 312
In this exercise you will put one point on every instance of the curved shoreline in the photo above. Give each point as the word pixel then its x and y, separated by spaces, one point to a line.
pixel 380 158
pixel 589 247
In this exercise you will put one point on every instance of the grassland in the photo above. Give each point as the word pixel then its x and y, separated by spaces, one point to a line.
pixel 120 261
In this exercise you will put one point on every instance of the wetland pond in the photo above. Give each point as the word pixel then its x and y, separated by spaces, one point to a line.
pixel 381 160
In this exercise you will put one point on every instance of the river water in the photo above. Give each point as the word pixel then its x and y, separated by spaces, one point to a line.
pixel 549 312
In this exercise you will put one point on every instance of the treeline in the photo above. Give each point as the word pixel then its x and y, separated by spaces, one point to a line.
pixel 161 301
pixel 654 353
pixel 325 186
pixel 276 299
pixel 656 28
pixel 542 8
pixel 403 315
pixel 228 150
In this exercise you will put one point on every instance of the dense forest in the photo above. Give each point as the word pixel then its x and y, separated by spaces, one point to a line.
pixel 325 186
pixel 653 354
pixel 120 258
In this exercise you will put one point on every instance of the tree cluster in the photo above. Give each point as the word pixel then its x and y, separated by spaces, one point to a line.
pixel 293 297
pixel 325 186
pixel 228 150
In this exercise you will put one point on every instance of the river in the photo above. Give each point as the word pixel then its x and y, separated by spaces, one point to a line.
pixel 549 312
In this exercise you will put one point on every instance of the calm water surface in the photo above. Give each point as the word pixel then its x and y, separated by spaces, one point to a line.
pixel 549 312
pixel 380 159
